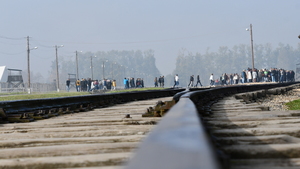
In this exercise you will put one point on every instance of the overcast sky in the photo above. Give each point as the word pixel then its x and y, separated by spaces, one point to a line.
pixel 166 26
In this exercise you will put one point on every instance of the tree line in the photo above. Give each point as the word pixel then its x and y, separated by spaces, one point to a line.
pixel 233 60
pixel 141 64
pixel 113 65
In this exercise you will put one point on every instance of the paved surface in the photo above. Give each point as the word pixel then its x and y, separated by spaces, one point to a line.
pixel 101 138
pixel 254 138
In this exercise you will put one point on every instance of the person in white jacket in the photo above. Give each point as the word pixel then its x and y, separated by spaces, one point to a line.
pixel 176 81
pixel 249 76
pixel 254 75
pixel 211 78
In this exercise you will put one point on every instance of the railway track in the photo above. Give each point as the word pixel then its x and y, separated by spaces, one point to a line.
pixel 99 138
pixel 252 137
pixel 209 128
pixel 233 132
pixel 37 109
pixel 76 132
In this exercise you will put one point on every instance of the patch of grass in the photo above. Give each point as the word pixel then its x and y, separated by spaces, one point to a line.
pixel 12 93
pixel 40 96
pixel 25 96
pixel 293 105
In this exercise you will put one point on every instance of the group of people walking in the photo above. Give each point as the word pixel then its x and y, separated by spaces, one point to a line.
pixel 191 83
pixel 130 83
pixel 87 85
pixel 246 76
pixel 255 75
pixel 160 81
pixel 105 84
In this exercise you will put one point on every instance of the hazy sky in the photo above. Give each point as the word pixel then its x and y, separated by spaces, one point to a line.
pixel 166 26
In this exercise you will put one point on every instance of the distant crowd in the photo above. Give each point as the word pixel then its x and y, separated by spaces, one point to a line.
pixel 88 85
pixel 246 76
pixel 249 76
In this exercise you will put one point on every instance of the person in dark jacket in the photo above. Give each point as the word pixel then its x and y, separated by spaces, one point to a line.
pixel 159 81
pixel 292 76
pixel 127 83
pixel 68 85
pixel 155 82
pixel 162 81
pixel 273 74
pixel 142 82
pixel 89 83
pixel 131 82
pixel 243 76
pixel 191 81
pixel 82 84
pixel 85 85
pixel 198 81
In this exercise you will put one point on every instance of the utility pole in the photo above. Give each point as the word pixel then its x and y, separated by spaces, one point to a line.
pixel 57 74
pixel 77 75
pixel 112 71
pixel 119 73
pixel 92 68
pixel 103 69
pixel 28 65
pixel 252 51
pixel 297 68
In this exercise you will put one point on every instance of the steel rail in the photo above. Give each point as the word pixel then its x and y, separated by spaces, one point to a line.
pixel 180 140
pixel 75 103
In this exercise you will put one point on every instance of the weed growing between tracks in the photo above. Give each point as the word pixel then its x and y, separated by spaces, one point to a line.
pixel 293 105
pixel 133 89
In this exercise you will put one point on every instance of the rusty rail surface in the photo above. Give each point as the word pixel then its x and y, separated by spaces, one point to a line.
pixel 29 110
pixel 180 140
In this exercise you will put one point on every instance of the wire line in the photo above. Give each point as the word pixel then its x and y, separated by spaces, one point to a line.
pixel 4 37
